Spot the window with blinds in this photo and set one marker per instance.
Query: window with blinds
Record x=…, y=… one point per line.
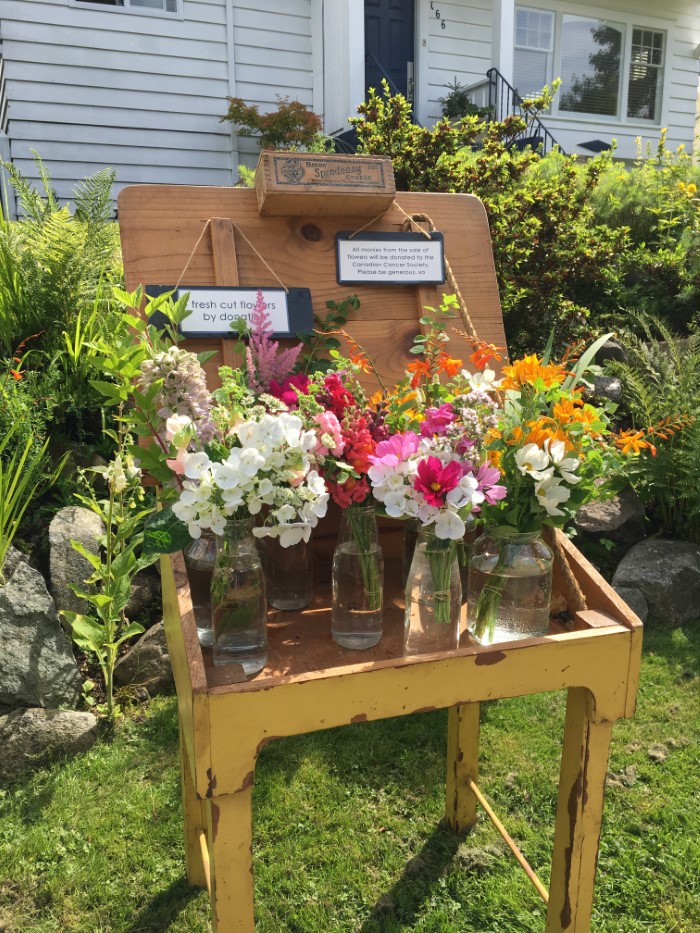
x=164, y=6
x=602, y=72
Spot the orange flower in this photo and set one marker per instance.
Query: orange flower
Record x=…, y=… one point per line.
x=494, y=458
x=493, y=434
x=446, y=364
x=484, y=353
x=528, y=370
x=546, y=429
x=16, y=375
x=516, y=436
x=418, y=368
x=633, y=442
x=566, y=410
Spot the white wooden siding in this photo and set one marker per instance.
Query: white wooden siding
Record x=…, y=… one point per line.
x=461, y=50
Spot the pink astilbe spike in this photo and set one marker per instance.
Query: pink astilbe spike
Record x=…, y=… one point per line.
x=265, y=360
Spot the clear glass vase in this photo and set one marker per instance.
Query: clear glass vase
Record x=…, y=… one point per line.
x=200, y=558
x=358, y=580
x=510, y=585
x=433, y=596
x=238, y=600
x=289, y=574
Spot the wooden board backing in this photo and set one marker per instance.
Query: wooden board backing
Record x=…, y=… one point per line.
x=161, y=224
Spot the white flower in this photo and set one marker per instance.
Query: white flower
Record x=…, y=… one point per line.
x=565, y=465
x=448, y=524
x=465, y=492
x=395, y=503
x=196, y=465
x=181, y=427
x=550, y=494
x=533, y=461
x=316, y=483
x=482, y=381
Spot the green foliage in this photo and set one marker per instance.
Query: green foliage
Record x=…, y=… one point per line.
x=291, y=126
x=554, y=262
x=662, y=378
x=108, y=588
x=457, y=103
x=22, y=476
x=656, y=201
x=319, y=345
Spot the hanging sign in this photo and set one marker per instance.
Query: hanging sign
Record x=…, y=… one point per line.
x=214, y=310
x=390, y=258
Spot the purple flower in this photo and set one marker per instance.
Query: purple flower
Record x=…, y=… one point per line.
x=265, y=361
x=486, y=477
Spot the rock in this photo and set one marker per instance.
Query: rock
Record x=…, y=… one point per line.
x=667, y=573
x=608, y=387
x=145, y=603
x=37, y=666
x=33, y=737
x=65, y=564
x=147, y=664
x=635, y=600
x=611, y=350
x=620, y=518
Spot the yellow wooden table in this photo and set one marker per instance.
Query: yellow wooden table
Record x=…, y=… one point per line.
x=310, y=684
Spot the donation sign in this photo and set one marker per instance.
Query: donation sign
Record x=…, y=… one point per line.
x=390, y=258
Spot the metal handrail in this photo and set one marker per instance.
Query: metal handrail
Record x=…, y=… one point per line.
x=505, y=101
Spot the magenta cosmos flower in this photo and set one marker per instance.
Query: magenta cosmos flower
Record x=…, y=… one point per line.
x=287, y=391
x=437, y=420
x=435, y=480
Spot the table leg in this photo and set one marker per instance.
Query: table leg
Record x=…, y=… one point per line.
x=231, y=860
x=462, y=764
x=195, y=822
x=579, y=815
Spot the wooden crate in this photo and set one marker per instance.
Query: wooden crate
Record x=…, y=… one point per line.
x=304, y=183
x=310, y=683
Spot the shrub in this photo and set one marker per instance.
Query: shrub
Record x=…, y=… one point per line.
x=291, y=126
x=554, y=263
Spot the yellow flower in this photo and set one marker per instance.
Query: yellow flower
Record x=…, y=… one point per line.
x=691, y=190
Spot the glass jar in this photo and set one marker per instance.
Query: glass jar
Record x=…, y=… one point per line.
x=510, y=584
x=238, y=600
x=289, y=574
x=433, y=596
x=200, y=558
x=358, y=580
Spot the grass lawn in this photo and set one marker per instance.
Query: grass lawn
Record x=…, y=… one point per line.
x=347, y=834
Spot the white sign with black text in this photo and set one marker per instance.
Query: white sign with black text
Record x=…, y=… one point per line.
x=393, y=259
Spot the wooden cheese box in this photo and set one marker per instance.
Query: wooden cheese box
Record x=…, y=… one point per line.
x=303, y=184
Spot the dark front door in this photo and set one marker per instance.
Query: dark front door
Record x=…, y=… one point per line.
x=389, y=44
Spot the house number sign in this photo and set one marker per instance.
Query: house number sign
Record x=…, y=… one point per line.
x=390, y=258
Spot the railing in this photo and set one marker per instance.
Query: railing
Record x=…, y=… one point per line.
x=504, y=101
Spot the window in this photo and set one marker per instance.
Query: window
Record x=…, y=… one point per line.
x=534, y=36
x=607, y=69
x=165, y=6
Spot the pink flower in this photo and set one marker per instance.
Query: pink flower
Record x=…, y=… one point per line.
x=177, y=465
x=435, y=480
x=437, y=420
x=486, y=477
x=287, y=391
x=329, y=430
x=397, y=448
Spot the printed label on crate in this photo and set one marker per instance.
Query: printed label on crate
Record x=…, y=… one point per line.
x=390, y=258
x=306, y=171
x=214, y=311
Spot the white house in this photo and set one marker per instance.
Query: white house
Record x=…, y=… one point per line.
x=140, y=85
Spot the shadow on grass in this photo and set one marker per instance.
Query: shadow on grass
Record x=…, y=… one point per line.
x=158, y=915
x=404, y=900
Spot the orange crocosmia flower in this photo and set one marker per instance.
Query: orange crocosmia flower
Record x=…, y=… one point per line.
x=376, y=399
x=446, y=364
x=16, y=375
x=484, y=353
x=528, y=370
x=418, y=368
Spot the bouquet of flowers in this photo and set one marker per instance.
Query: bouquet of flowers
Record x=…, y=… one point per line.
x=553, y=450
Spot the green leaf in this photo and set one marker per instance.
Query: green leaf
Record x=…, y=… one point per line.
x=87, y=634
x=165, y=533
x=93, y=559
x=132, y=629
